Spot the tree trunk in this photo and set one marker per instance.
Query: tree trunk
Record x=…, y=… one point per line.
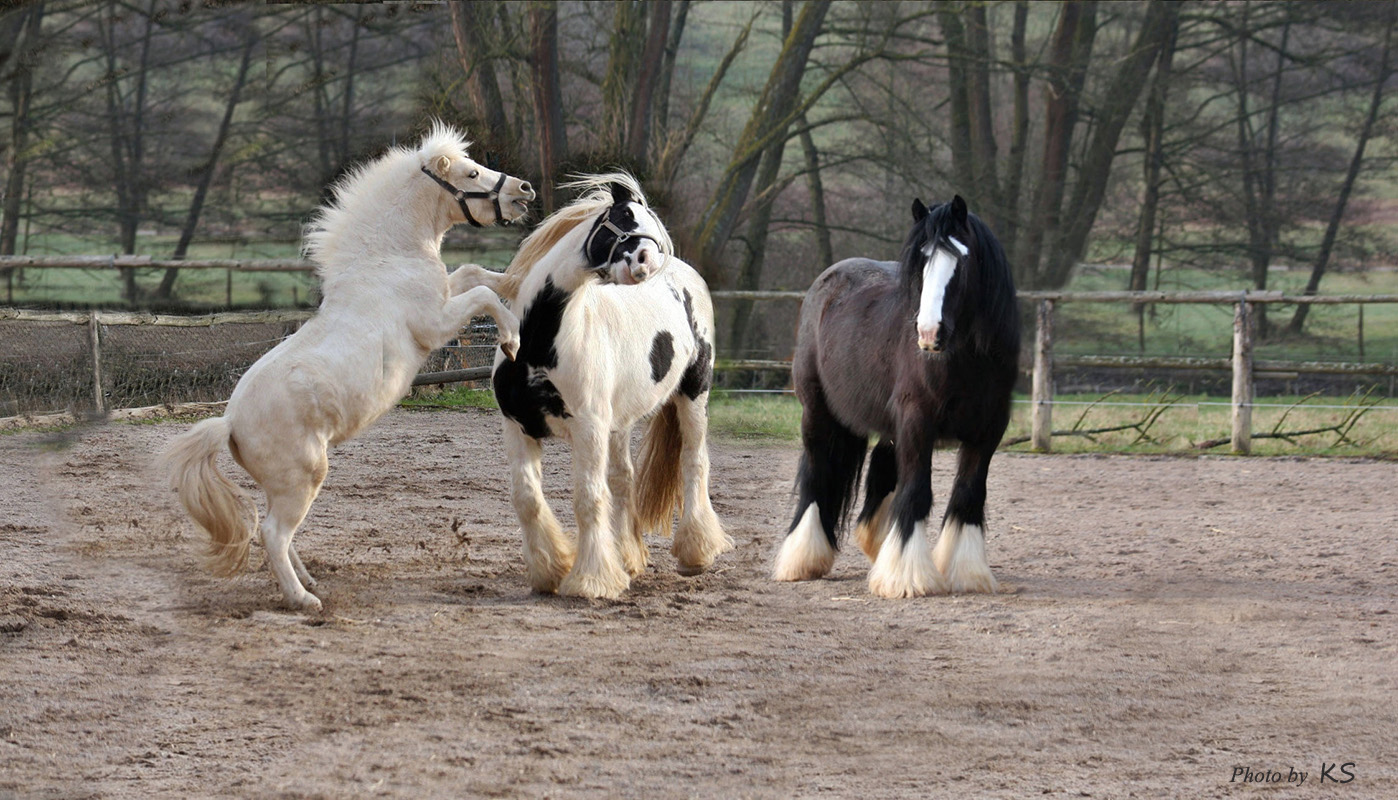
x=958, y=86
x=206, y=174
x=1131, y=74
x=825, y=251
x=1069, y=51
x=469, y=23
x=638, y=133
x=984, y=151
x=619, y=81
x=18, y=72
x=1019, y=136
x=777, y=102
x=548, y=97
x=1152, y=130
x=1322, y=262
x=750, y=276
x=667, y=68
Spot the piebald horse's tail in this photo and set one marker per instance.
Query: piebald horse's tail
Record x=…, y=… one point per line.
x=220, y=506
x=659, y=493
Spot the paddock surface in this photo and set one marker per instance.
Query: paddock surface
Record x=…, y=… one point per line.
x=1164, y=621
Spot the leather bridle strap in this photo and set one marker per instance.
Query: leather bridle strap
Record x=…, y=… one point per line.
x=462, y=196
x=621, y=238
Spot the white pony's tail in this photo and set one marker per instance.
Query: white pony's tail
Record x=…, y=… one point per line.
x=659, y=493
x=216, y=503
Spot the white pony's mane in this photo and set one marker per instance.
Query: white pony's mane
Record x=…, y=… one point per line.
x=360, y=194
x=597, y=195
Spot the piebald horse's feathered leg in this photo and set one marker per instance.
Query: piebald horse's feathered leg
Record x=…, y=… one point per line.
x=699, y=539
x=597, y=570
x=548, y=554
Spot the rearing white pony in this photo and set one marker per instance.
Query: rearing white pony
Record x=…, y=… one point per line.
x=612, y=328
x=387, y=304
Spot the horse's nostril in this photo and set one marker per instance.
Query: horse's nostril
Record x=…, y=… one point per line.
x=641, y=257
x=525, y=187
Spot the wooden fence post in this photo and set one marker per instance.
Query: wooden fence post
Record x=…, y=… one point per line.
x=1041, y=435
x=1242, y=377
x=94, y=335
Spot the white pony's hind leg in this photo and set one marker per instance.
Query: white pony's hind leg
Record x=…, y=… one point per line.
x=301, y=572
x=621, y=479
x=286, y=508
x=548, y=555
x=700, y=538
x=597, y=571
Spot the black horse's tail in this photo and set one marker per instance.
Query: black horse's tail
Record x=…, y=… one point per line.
x=832, y=459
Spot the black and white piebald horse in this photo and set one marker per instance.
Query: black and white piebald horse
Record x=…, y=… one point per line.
x=613, y=328
x=920, y=351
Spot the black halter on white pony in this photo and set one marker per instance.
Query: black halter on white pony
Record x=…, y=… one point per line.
x=613, y=329
x=492, y=194
x=918, y=351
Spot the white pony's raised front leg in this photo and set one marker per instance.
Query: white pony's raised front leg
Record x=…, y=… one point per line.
x=469, y=276
x=597, y=571
x=464, y=307
x=548, y=555
x=700, y=538
x=621, y=479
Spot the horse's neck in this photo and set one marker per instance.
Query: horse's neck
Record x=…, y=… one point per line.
x=564, y=266
x=408, y=238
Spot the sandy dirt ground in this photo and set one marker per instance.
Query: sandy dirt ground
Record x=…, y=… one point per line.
x=1163, y=623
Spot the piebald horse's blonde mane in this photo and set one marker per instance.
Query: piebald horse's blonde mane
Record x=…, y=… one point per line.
x=597, y=195
x=359, y=196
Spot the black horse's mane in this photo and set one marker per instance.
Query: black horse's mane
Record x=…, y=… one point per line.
x=991, y=313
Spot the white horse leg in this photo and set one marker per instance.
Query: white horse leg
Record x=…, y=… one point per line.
x=305, y=576
x=286, y=508
x=621, y=479
x=700, y=538
x=548, y=554
x=598, y=570
x=469, y=276
x=464, y=307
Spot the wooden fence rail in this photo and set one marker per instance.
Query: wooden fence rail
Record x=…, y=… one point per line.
x=1241, y=361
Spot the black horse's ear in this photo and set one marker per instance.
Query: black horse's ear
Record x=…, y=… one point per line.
x=620, y=193
x=958, y=209
x=919, y=210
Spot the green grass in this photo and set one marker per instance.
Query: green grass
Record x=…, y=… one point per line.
x=458, y=396
x=1187, y=422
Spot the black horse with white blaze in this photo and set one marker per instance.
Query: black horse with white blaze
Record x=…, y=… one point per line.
x=920, y=351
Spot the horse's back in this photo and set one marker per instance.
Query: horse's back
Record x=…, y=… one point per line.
x=844, y=346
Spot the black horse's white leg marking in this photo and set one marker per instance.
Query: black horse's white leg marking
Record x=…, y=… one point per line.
x=960, y=551
x=830, y=461
x=904, y=567
x=875, y=520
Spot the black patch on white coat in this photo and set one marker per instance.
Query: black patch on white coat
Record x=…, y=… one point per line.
x=699, y=375
x=522, y=387
x=662, y=353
